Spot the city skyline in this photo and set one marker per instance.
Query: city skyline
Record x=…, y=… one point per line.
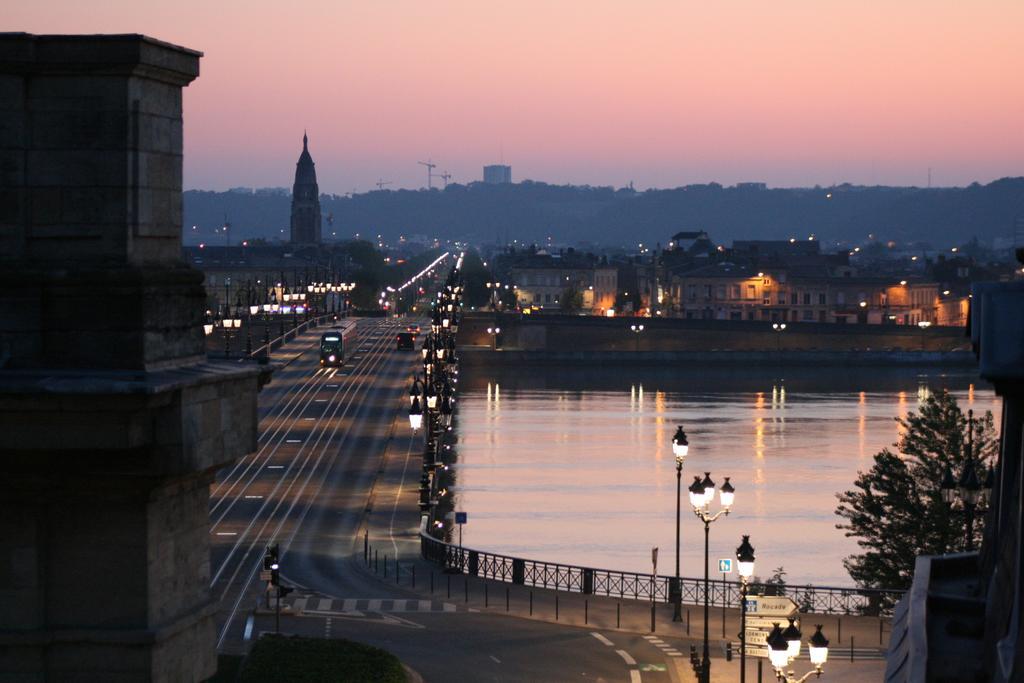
x=791, y=95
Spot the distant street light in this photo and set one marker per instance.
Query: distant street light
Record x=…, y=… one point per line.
x=779, y=328
x=745, y=563
x=968, y=488
x=494, y=332
x=680, y=449
x=637, y=331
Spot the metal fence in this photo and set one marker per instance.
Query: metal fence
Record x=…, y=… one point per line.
x=647, y=587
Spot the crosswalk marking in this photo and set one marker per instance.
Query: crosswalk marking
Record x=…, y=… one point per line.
x=357, y=606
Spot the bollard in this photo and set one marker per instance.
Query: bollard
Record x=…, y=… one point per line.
x=618, y=615
x=687, y=621
x=556, y=606
x=531, y=603
x=839, y=638
x=465, y=585
x=398, y=573
x=385, y=566
x=431, y=581
x=759, y=661
x=414, y=576
x=366, y=545
x=376, y=561
x=449, y=585
x=486, y=599
x=506, y=599
x=851, y=648
x=586, y=612
x=880, y=630
x=728, y=651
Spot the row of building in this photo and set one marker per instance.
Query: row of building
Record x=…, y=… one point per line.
x=784, y=281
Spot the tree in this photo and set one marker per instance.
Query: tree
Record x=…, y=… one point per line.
x=896, y=511
x=572, y=300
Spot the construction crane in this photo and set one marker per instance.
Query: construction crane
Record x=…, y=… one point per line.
x=381, y=183
x=430, y=172
x=446, y=176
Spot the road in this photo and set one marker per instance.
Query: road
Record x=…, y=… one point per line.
x=323, y=434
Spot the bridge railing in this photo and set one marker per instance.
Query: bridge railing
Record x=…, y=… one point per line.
x=647, y=587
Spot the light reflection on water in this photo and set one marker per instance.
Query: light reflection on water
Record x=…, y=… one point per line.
x=576, y=466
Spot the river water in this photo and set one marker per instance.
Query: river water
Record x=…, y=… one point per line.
x=576, y=466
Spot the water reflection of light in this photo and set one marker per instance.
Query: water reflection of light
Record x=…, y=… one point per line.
x=923, y=392
x=862, y=422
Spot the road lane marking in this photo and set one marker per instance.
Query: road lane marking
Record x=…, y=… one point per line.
x=626, y=657
x=601, y=638
x=634, y=676
x=496, y=660
x=254, y=497
x=248, y=628
x=321, y=400
x=309, y=419
x=275, y=467
x=332, y=386
x=227, y=533
x=293, y=441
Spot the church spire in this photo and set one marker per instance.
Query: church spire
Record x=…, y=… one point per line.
x=305, y=142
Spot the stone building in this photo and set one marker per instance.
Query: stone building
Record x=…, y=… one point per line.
x=112, y=420
x=542, y=280
x=306, y=221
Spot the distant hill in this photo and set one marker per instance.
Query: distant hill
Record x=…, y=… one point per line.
x=531, y=212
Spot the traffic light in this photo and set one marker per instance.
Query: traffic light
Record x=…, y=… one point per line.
x=270, y=558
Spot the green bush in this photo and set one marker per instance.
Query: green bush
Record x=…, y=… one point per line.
x=274, y=659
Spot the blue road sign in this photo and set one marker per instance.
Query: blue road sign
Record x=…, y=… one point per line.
x=725, y=566
x=460, y=517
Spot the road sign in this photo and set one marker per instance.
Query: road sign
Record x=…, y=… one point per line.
x=461, y=517
x=654, y=558
x=725, y=566
x=771, y=606
x=757, y=651
x=265, y=574
x=768, y=622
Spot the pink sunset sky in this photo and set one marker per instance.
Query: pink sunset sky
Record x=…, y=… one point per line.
x=793, y=92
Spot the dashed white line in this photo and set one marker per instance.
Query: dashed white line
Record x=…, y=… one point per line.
x=248, y=628
x=227, y=533
x=293, y=440
x=275, y=467
x=601, y=638
x=254, y=497
x=626, y=657
x=496, y=660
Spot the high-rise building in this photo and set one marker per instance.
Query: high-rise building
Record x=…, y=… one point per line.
x=305, y=200
x=498, y=174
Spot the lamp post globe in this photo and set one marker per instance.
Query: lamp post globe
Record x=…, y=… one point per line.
x=727, y=494
x=817, y=646
x=792, y=635
x=680, y=445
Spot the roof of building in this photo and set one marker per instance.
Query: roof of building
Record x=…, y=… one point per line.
x=305, y=169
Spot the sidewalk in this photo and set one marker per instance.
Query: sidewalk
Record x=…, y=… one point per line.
x=392, y=524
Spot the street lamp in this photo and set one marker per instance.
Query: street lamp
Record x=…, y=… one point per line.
x=778, y=327
x=784, y=646
x=745, y=565
x=415, y=415
x=968, y=488
x=680, y=448
x=637, y=330
x=702, y=493
x=494, y=332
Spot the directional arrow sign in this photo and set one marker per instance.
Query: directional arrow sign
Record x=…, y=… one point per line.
x=768, y=622
x=771, y=606
x=757, y=651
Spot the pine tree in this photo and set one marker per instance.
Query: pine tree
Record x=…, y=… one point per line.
x=896, y=511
